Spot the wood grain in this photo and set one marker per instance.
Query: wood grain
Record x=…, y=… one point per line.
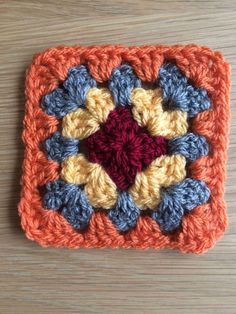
x=37, y=280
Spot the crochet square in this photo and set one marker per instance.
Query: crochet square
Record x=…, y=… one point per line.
x=126, y=147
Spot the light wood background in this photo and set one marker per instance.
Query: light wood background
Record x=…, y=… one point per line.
x=37, y=280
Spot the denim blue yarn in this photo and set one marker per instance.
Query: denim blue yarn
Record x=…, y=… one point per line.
x=125, y=213
x=179, y=93
x=54, y=197
x=71, y=201
x=58, y=147
x=191, y=146
x=71, y=95
x=121, y=83
x=178, y=200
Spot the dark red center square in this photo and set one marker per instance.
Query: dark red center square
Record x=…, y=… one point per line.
x=123, y=148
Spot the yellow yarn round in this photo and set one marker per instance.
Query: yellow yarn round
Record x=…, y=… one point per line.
x=99, y=103
x=79, y=124
x=162, y=172
x=99, y=187
x=84, y=122
x=148, y=112
x=77, y=169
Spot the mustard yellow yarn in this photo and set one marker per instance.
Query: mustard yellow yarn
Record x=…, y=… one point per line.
x=162, y=172
x=168, y=169
x=77, y=169
x=81, y=123
x=100, y=189
x=148, y=112
x=99, y=103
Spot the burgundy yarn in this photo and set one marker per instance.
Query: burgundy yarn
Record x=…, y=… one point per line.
x=123, y=148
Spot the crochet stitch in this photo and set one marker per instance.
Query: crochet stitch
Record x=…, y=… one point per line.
x=112, y=161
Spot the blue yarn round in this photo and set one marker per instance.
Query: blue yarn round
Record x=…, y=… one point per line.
x=190, y=145
x=71, y=201
x=121, y=83
x=125, y=213
x=71, y=95
x=179, y=93
x=58, y=147
x=77, y=210
x=178, y=200
x=53, y=198
x=169, y=213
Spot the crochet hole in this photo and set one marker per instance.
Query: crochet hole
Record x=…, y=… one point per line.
x=167, y=105
x=42, y=148
x=146, y=212
x=42, y=191
x=83, y=148
x=59, y=126
x=101, y=85
x=174, y=233
x=148, y=85
x=210, y=64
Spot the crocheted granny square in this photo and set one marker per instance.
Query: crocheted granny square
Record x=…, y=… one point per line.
x=126, y=147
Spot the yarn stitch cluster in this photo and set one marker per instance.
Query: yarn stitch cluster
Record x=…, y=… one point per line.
x=125, y=148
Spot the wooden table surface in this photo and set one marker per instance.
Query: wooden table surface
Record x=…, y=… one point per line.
x=37, y=280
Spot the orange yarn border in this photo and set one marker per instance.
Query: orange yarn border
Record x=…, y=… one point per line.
x=204, y=225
